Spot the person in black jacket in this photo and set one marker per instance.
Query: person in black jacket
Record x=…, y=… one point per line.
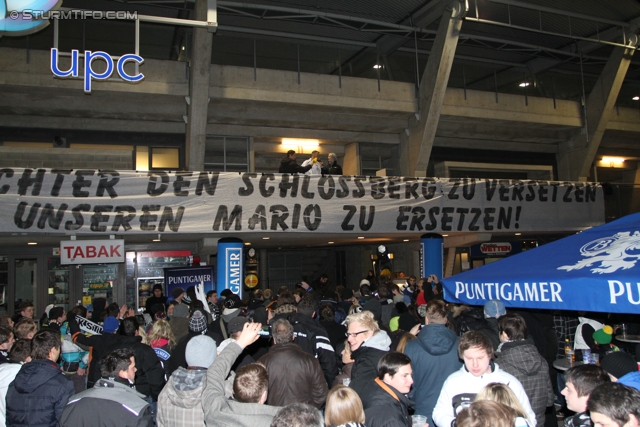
x=149, y=378
x=368, y=344
x=289, y=165
x=332, y=168
x=157, y=298
x=385, y=402
x=197, y=326
x=100, y=343
x=40, y=390
x=313, y=338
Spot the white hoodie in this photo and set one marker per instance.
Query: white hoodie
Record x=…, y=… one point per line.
x=464, y=384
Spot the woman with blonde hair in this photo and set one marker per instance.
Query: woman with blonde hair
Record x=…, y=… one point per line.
x=368, y=344
x=162, y=341
x=501, y=393
x=486, y=413
x=344, y=408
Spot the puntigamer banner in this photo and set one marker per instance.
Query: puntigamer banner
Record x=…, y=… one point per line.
x=106, y=201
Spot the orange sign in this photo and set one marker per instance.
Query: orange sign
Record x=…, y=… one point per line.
x=251, y=280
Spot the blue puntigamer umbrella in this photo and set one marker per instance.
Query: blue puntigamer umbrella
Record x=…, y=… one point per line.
x=596, y=270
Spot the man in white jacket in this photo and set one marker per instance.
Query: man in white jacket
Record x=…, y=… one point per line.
x=316, y=164
x=461, y=387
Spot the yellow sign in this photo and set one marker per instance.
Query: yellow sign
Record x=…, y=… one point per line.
x=251, y=280
x=105, y=285
x=86, y=300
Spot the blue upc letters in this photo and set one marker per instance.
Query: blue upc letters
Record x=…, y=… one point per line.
x=89, y=73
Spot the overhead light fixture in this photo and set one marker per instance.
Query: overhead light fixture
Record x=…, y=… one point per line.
x=32, y=243
x=300, y=145
x=405, y=240
x=518, y=234
x=376, y=66
x=612, y=162
x=445, y=235
x=636, y=98
x=330, y=243
x=247, y=243
x=360, y=238
x=266, y=238
x=158, y=239
x=524, y=84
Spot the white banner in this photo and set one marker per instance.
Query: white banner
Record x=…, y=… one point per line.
x=98, y=202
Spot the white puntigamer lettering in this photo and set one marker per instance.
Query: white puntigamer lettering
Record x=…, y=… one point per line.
x=617, y=289
x=534, y=291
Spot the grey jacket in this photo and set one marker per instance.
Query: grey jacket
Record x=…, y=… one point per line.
x=180, y=402
x=522, y=360
x=108, y=404
x=222, y=412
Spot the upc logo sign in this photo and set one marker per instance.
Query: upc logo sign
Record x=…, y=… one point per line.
x=89, y=73
x=13, y=20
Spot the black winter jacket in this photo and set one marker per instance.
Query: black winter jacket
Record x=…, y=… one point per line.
x=149, y=373
x=314, y=339
x=366, y=358
x=100, y=347
x=38, y=395
x=288, y=165
x=381, y=409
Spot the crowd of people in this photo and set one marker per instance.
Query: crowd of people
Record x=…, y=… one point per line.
x=386, y=354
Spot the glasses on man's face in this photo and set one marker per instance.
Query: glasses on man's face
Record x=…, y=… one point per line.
x=355, y=334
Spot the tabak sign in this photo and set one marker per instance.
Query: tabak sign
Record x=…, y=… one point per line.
x=91, y=251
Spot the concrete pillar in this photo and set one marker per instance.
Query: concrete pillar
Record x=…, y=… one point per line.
x=417, y=142
x=351, y=162
x=575, y=156
x=199, y=74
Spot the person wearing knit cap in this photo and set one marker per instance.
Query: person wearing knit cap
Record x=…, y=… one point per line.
x=180, y=400
x=157, y=298
x=602, y=339
x=179, y=321
x=197, y=327
x=232, y=305
x=234, y=328
x=177, y=294
x=618, y=364
x=111, y=325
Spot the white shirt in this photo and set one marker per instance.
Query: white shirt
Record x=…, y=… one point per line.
x=464, y=382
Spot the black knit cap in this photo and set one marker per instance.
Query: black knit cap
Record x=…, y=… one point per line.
x=619, y=363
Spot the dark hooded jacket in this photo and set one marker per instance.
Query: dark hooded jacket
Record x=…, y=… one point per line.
x=522, y=360
x=149, y=370
x=38, y=395
x=434, y=356
x=382, y=409
x=366, y=358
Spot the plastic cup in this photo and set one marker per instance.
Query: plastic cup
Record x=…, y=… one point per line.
x=586, y=356
x=418, y=420
x=595, y=359
x=571, y=357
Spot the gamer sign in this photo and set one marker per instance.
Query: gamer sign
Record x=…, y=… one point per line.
x=90, y=73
